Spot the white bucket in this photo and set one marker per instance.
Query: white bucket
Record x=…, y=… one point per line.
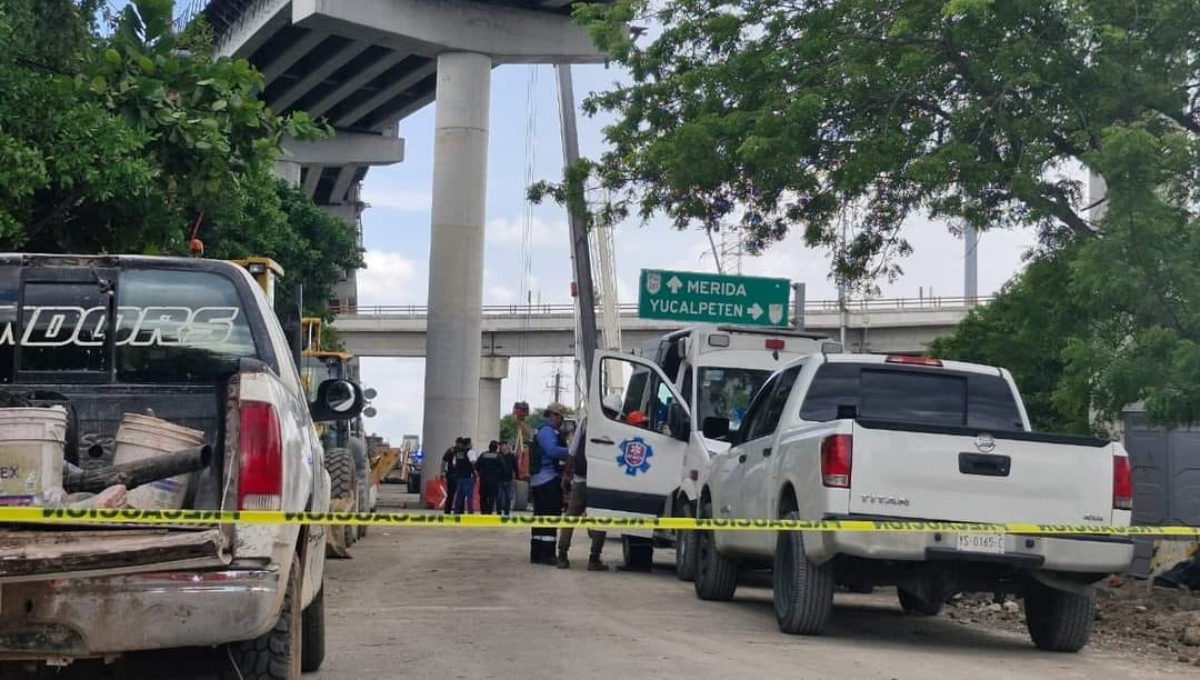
x=32, y=443
x=142, y=437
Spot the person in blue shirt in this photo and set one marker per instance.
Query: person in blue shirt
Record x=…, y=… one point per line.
x=546, y=484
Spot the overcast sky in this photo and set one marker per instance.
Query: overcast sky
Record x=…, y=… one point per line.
x=397, y=231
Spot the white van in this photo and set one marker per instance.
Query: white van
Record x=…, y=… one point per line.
x=677, y=381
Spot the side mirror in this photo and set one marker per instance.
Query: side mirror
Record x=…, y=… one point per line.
x=337, y=400
x=737, y=436
x=679, y=422
x=716, y=427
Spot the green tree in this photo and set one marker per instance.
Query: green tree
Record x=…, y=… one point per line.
x=778, y=114
x=135, y=141
x=1026, y=329
x=794, y=113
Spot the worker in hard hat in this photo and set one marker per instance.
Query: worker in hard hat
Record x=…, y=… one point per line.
x=575, y=483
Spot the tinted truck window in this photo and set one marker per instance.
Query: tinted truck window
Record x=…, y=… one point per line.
x=169, y=326
x=934, y=397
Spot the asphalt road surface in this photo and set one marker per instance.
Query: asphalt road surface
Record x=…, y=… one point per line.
x=435, y=603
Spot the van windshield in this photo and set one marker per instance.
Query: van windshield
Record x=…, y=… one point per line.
x=170, y=326
x=726, y=392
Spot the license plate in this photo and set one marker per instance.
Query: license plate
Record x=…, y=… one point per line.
x=981, y=543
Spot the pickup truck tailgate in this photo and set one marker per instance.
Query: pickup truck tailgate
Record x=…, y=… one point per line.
x=46, y=555
x=924, y=473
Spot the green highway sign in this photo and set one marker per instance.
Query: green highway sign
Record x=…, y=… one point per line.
x=714, y=298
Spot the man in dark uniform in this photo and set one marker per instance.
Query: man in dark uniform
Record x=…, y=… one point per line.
x=546, y=483
x=448, y=474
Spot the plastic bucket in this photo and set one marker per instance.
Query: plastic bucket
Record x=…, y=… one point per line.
x=32, y=443
x=142, y=437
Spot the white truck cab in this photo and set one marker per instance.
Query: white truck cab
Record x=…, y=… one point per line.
x=678, y=381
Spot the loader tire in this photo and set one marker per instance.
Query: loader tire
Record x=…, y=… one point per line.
x=342, y=484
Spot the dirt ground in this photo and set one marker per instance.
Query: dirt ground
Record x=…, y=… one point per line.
x=467, y=604
x=1132, y=619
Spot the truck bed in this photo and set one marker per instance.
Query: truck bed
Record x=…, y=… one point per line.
x=99, y=410
x=31, y=555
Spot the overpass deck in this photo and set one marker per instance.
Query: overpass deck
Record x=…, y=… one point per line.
x=891, y=325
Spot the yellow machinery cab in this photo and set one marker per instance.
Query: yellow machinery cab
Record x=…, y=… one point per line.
x=265, y=271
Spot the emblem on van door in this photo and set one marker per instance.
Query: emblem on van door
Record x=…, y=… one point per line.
x=985, y=443
x=874, y=499
x=635, y=456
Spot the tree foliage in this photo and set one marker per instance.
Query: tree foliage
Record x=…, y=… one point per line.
x=139, y=138
x=785, y=113
x=1026, y=329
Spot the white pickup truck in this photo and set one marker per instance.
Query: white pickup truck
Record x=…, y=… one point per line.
x=197, y=343
x=868, y=437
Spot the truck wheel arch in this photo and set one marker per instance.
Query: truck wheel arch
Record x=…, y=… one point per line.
x=787, y=500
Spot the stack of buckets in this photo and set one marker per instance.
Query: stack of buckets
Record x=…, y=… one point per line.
x=32, y=442
x=142, y=437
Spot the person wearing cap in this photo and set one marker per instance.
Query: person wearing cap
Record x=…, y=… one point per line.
x=545, y=486
x=575, y=480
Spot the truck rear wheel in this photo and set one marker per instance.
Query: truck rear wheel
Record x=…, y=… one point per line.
x=716, y=575
x=685, y=548
x=1059, y=621
x=917, y=605
x=638, y=553
x=275, y=655
x=803, y=590
x=312, y=635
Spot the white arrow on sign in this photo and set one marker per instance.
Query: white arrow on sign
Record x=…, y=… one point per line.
x=674, y=284
x=755, y=311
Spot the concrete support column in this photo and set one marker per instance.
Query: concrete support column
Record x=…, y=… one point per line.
x=452, y=361
x=492, y=372
x=288, y=171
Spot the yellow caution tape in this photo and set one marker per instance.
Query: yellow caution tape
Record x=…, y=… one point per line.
x=437, y=520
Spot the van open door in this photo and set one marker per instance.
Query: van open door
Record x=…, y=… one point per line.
x=632, y=468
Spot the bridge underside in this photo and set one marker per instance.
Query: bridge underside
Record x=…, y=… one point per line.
x=365, y=65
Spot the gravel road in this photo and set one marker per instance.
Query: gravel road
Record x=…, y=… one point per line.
x=429, y=603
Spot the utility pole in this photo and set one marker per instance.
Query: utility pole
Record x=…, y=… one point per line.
x=971, y=265
x=576, y=205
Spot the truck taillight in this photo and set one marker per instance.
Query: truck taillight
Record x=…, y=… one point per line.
x=776, y=344
x=837, y=456
x=1122, y=484
x=260, y=484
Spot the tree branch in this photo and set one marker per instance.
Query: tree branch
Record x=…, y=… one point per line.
x=56, y=212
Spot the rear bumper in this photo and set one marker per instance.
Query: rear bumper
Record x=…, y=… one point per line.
x=1086, y=554
x=78, y=618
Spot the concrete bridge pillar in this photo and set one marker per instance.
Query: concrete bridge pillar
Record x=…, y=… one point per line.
x=493, y=371
x=452, y=361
